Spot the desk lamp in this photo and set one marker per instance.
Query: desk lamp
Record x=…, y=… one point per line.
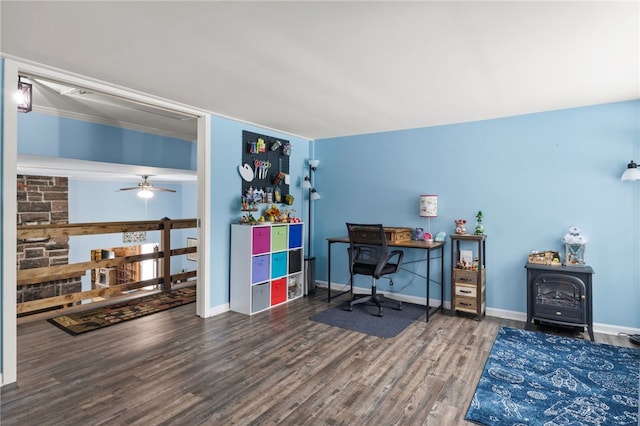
x=429, y=209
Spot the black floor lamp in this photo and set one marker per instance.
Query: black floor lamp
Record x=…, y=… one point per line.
x=310, y=261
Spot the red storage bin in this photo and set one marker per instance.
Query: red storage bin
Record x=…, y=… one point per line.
x=278, y=291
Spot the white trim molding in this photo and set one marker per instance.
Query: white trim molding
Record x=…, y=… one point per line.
x=12, y=68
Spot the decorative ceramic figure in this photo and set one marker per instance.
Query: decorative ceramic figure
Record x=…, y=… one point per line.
x=479, y=227
x=418, y=234
x=461, y=226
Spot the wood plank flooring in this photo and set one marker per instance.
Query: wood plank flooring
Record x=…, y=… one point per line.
x=278, y=367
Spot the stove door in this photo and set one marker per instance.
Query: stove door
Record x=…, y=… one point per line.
x=560, y=298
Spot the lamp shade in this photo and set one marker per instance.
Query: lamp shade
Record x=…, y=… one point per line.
x=428, y=205
x=306, y=183
x=632, y=172
x=314, y=195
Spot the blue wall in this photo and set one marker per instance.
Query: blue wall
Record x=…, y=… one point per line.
x=226, y=156
x=533, y=176
x=47, y=135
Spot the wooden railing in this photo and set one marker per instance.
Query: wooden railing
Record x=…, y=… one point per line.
x=60, y=272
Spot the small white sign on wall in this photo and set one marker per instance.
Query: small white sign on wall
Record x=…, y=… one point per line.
x=134, y=237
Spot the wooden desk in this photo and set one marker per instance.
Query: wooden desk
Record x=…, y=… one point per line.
x=407, y=244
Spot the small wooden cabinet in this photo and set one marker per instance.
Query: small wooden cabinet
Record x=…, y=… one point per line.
x=266, y=265
x=468, y=281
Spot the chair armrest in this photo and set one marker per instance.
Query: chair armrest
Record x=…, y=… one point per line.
x=385, y=261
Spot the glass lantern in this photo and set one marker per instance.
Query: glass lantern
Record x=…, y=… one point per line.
x=574, y=254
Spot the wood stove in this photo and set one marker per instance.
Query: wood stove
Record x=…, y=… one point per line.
x=560, y=295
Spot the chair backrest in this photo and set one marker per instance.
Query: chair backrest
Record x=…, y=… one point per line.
x=367, y=244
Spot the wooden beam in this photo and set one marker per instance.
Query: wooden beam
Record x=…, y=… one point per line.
x=50, y=302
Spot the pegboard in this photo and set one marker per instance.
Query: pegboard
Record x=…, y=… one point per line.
x=260, y=149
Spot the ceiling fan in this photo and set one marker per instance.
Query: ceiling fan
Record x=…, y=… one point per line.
x=145, y=188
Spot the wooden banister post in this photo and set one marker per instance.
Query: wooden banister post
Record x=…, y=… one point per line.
x=166, y=250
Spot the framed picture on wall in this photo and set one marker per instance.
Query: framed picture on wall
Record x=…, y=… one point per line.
x=192, y=242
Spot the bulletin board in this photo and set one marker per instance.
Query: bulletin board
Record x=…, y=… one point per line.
x=268, y=157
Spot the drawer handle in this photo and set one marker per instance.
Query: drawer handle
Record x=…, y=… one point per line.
x=464, y=279
x=465, y=304
x=466, y=291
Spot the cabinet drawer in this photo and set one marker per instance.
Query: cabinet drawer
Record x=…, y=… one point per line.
x=278, y=291
x=278, y=264
x=467, y=304
x=260, y=297
x=261, y=239
x=259, y=268
x=278, y=238
x=466, y=290
x=465, y=277
x=295, y=261
x=295, y=236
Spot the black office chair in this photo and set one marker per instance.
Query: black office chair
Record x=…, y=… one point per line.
x=369, y=255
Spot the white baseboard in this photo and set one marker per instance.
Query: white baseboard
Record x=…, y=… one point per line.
x=217, y=310
x=614, y=329
x=416, y=300
x=492, y=312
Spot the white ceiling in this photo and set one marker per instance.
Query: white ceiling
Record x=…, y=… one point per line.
x=324, y=69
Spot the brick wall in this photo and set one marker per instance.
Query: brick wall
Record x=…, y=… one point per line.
x=43, y=200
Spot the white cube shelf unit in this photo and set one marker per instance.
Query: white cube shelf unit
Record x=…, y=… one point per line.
x=267, y=267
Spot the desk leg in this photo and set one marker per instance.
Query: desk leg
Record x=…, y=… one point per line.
x=442, y=278
x=428, y=276
x=329, y=274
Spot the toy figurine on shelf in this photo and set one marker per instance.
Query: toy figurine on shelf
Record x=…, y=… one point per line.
x=461, y=226
x=272, y=213
x=250, y=199
x=479, y=227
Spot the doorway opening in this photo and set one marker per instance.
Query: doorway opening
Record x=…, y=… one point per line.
x=11, y=71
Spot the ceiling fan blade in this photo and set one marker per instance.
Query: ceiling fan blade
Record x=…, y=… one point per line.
x=146, y=185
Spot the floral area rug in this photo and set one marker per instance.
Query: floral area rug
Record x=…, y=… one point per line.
x=94, y=319
x=540, y=379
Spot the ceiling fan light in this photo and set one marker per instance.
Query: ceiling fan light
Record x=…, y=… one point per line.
x=145, y=193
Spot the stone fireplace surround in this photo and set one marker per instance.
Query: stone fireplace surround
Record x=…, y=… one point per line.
x=43, y=200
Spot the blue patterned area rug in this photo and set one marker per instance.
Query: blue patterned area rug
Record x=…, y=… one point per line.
x=541, y=379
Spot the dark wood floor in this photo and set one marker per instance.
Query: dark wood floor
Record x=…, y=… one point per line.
x=273, y=368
